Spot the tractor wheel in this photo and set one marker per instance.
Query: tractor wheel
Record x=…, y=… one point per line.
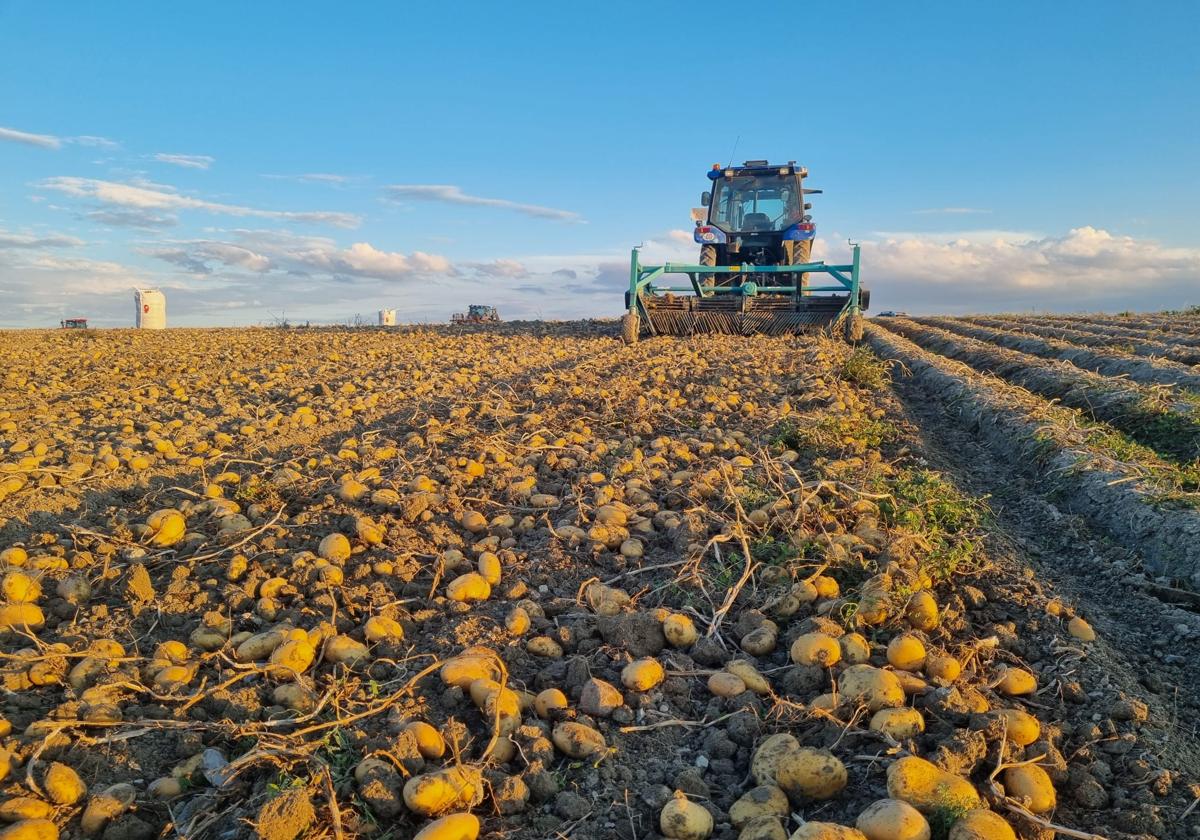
x=854, y=327
x=708, y=256
x=800, y=252
x=630, y=327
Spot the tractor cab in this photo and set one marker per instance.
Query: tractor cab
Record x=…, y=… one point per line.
x=74, y=324
x=756, y=207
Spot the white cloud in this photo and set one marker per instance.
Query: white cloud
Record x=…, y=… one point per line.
x=450, y=194
x=186, y=161
x=95, y=142
x=500, y=268
x=157, y=197
x=266, y=251
x=28, y=240
x=317, y=178
x=45, y=141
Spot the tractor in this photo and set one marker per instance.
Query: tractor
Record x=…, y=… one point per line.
x=754, y=269
x=476, y=314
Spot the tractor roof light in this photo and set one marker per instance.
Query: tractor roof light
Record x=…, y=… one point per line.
x=783, y=170
x=728, y=173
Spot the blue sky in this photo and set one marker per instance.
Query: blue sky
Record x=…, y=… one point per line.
x=301, y=160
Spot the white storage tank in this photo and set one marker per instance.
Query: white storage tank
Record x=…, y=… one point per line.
x=387, y=317
x=151, y=309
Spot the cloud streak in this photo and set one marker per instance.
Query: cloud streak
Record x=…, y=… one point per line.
x=186, y=161
x=28, y=241
x=450, y=194
x=145, y=197
x=44, y=141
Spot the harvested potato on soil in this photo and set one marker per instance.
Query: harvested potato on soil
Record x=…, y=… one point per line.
x=927, y=787
x=875, y=687
x=432, y=794
x=683, y=819
x=981, y=824
x=451, y=827
x=807, y=773
x=892, y=819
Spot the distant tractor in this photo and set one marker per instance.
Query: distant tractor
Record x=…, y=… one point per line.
x=476, y=314
x=74, y=324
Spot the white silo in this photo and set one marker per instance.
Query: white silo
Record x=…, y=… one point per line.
x=387, y=317
x=151, y=309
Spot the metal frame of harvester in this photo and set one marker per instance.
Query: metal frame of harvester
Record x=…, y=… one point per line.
x=689, y=317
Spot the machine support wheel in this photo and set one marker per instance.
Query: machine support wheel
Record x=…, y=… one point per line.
x=708, y=256
x=800, y=252
x=630, y=327
x=854, y=327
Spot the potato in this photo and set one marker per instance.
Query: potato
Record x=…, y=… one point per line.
x=259, y=646
x=335, y=548
x=1016, y=682
x=807, y=773
x=910, y=682
x=642, y=674
x=765, y=761
x=749, y=675
x=109, y=804
x=432, y=794
x=25, y=808
x=517, y=621
x=764, y=800
x=606, y=600
x=679, y=630
x=379, y=628
x=927, y=787
x=1030, y=784
x=464, y=669
x=488, y=566
x=430, y=742
x=1020, y=727
x=922, y=611
x=898, y=724
x=167, y=527
x=763, y=828
x=892, y=819
x=685, y=820
x=1081, y=630
x=469, y=587
x=548, y=701
x=877, y=688
x=21, y=617
x=63, y=785
x=906, y=653
x=816, y=649
x=35, y=829
x=826, y=586
x=827, y=702
x=760, y=641
x=725, y=684
x=981, y=824
x=291, y=658
x=451, y=827
x=578, y=740
x=942, y=669
x=20, y=588
x=855, y=648
x=343, y=650
x=826, y=831
x=544, y=646
x=481, y=689
x=294, y=697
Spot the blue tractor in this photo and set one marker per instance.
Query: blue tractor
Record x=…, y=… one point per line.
x=753, y=274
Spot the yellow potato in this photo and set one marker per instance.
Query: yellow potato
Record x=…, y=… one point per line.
x=943, y=669
x=642, y=674
x=749, y=675
x=549, y=700
x=807, y=773
x=379, y=628
x=682, y=819
x=432, y=794
x=826, y=831
x=469, y=587
x=679, y=630
x=20, y=588
x=259, y=646
x=906, y=653
x=25, y=808
x=1021, y=727
x=167, y=527
x=855, y=648
x=765, y=761
x=816, y=649
x=981, y=824
x=488, y=565
x=34, y=829
x=430, y=742
x=877, y=688
x=892, y=819
x=1081, y=630
x=21, y=617
x=63, y=785
x=1030, y=784
x=725, y=684
x=1016, y=682
x=898, y=724
x=335, y=548
x=927, y=787
x=764, y=800
x=578, y=740
x=464, y=669
x=451, y=827
x=922, y=611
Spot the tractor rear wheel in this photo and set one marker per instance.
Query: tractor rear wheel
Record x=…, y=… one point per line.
x=630, y=327
x=800, y=252
x=708, y=256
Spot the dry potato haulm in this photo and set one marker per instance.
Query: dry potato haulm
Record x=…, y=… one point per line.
x=523, y=580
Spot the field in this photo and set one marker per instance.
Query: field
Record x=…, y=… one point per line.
x=338, y=582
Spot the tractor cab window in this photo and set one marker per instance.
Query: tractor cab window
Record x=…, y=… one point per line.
x=748, y=203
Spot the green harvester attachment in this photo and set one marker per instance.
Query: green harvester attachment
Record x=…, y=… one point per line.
x=753, y=276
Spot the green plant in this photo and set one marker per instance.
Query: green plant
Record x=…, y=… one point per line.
x=864, y=368
x=925, y=503
x=942, y=817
